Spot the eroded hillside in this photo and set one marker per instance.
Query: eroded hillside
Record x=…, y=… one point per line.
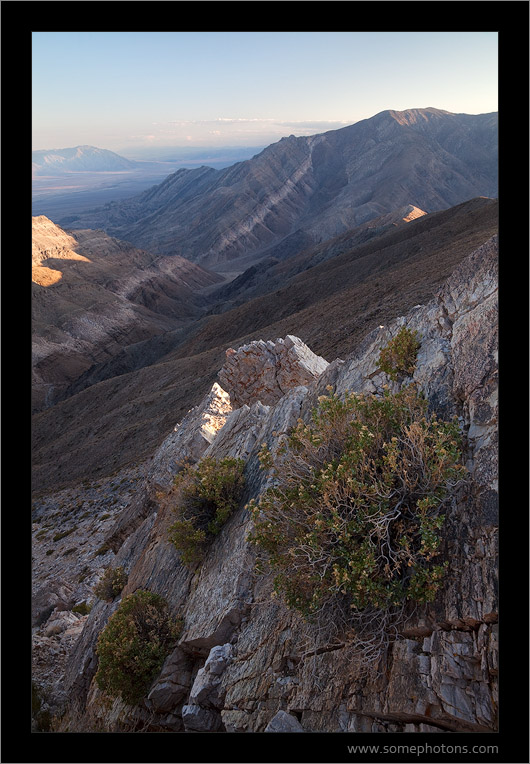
x=119, y=410
x=93, y=295
x=245, y=661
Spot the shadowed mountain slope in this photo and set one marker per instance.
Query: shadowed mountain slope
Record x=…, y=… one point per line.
x=272, y=272
x=93, y=295
x=332, y=306
x=312, y=188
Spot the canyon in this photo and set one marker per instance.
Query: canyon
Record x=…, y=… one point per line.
x=205, y=317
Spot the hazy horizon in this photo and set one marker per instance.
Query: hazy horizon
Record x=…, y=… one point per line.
x=132, y=91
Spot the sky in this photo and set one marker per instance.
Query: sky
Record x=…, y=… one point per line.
x=125, y=90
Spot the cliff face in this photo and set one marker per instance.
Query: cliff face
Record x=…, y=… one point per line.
x=244, y=661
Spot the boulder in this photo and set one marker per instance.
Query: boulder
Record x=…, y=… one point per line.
x=198, y=719
x=284, y=722
x=54, y=595
x=206, y=690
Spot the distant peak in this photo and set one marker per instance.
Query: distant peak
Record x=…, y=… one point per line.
x=413, y=116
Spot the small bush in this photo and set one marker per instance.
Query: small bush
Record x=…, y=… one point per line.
x=134, y=644
x=203, y=498
x=111, y=584
x=83, y=608
x=398, y=358
x=103, y=549
x=64, y=534
x=354, y=517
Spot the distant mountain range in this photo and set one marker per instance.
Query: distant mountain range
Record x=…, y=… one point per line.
x=78, y=159
x=300, y=191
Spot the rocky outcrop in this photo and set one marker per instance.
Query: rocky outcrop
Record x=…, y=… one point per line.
x=265, y=371
x=185, y=445
x=244, y=661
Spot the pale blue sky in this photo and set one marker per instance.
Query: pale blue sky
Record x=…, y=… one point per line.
x=122, y=89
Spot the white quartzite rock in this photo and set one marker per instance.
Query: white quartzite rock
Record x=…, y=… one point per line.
x=192, y=436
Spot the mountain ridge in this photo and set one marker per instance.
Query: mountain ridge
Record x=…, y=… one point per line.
x=323, y=184
x=438, y=672
x=83, y=158
x=160, y=379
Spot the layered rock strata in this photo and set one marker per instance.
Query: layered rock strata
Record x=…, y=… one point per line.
x=265, y=371
x=244, y=661
x=94, y=296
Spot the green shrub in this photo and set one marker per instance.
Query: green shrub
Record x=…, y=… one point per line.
x=111, y=584
x=83, y=608
x=64, y=534
x=398, y=358
x=103, y=549
x=134, y=644
x=203, y=498
x=354, y=516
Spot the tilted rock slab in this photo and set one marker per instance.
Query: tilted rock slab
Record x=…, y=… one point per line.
x=186, y=444
x=265, y=371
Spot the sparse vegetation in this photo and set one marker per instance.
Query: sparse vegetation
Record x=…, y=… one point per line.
x=64, y=534
x=398, y=357
x=203, y=497
x=353, y=522
x=83, y=608
x=133, y=645
x=111, y=584
x=41, y=716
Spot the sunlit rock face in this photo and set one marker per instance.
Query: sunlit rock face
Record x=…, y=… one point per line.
x=92, y=297
x=265, y=371
x=242, y=655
